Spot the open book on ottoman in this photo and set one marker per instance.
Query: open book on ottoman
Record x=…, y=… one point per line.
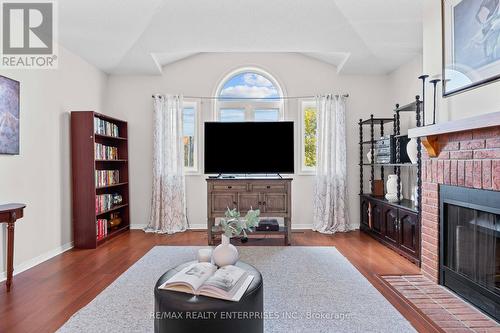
x=228, y=282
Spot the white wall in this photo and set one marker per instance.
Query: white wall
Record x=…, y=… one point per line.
x=129, y=97
x=40, y=175
x=481, y=100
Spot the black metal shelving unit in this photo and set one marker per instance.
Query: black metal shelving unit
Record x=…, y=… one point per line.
x=403, y=205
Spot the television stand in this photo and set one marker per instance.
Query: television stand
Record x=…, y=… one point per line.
x=272, y=196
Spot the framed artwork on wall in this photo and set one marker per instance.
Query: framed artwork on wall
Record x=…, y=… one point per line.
x=9, y=116
x=471, y=44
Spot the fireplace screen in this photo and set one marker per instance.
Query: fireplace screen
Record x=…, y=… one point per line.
x=470, y=246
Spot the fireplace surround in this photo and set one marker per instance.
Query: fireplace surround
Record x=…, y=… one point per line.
x=465, y=155
x=469, y=257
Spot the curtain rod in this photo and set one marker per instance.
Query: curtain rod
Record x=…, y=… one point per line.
x=251, y=98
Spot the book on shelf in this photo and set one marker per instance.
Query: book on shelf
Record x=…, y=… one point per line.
x=104, y=127
x=104, y=202
x=101, y=228
x=228, y=282
x=106, y=177
x=103, y=152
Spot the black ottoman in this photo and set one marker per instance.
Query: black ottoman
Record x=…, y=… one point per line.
x=181, y=312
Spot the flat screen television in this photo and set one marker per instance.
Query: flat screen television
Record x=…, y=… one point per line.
x=249, y=147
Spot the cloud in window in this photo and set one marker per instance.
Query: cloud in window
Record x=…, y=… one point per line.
x=253, y=79
x=249, y=91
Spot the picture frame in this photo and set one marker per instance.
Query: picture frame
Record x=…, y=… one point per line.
x=9, y=116
x=470, y=44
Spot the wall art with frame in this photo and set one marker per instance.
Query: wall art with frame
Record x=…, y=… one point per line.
x=471, y=44
x=9, y=116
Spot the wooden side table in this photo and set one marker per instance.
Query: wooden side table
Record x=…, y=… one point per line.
x=9, y=214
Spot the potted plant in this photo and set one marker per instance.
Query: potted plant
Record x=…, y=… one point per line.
x=233, y=225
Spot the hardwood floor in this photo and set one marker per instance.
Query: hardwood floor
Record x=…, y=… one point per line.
x=44, y=297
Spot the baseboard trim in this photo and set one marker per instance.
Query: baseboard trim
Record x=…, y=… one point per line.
x=37, y=260
x=204, y=227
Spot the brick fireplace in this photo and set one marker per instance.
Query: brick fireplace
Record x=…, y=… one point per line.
x=469, y=158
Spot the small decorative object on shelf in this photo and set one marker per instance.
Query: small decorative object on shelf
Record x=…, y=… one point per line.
x=369, y=156
x=114, y=220
x=392, y=188
x=232, y=226
x=411, y=150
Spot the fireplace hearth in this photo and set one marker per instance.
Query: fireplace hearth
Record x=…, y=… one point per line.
x=469, y=258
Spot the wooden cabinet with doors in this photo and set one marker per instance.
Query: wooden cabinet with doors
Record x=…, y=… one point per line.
x=395, y=225
x=271, y=195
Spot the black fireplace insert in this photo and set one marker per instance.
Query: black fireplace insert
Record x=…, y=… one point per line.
x=470, y=246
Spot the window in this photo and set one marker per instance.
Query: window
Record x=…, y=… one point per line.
x=308, y=136
x=190, y=132
x=249, y=95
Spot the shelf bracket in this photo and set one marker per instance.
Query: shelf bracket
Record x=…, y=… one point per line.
x=431, y=144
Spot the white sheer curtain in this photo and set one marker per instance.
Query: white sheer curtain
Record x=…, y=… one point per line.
x=330, y=189
x=168, y=205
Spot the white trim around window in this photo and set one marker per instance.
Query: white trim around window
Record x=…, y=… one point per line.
x=194, y=170
x=303, y=104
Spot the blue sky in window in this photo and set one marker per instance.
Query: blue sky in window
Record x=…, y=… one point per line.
x=188, y=119
x=249, y=85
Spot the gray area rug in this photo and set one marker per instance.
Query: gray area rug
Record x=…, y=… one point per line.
x=307, y=289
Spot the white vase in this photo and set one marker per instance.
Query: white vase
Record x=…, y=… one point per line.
x=411, y=149
x=392, y=188
x=369, y=156
x=225, y=253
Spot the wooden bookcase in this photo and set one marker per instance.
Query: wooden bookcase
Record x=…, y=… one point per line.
x=84, y=166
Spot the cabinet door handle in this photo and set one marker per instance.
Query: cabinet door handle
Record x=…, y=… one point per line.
x=235, y=203
x=268, y=186
x=264, y=203
x=229, y=187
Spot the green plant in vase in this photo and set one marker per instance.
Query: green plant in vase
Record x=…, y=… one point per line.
x=233, y=225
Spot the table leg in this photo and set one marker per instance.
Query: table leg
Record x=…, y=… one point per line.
x=288, y=235
x=10, y=254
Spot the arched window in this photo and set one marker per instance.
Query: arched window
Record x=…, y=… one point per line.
x=249, y=95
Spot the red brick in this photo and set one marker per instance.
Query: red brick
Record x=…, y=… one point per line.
x=495, y=175
x=450, y=146
x=440, y=178
x=460, y=136
x=430, y=255
x=430, y=202
x=478, y=171
x=430, y=209
x=430, y=216
x=429, y=224
x=431, y=247
x=480, y=323
x=493, y=143
x=487, y=153
x=472, y=144
x=461, y=173
x=430, y=186
x=486, y=133
x=486, y=174
x=430, y=194
x=429, y=239
x=424, y=171
x=461, y=155
x=430, y=232
x=428, y=168
x=444, y=155
x=446, y=172
x=434, y=170
x=453, y=172
x=431, y=263
x=471, y=316
x=469, y=174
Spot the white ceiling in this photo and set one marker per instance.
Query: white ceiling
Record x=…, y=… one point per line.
x=141, y=36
